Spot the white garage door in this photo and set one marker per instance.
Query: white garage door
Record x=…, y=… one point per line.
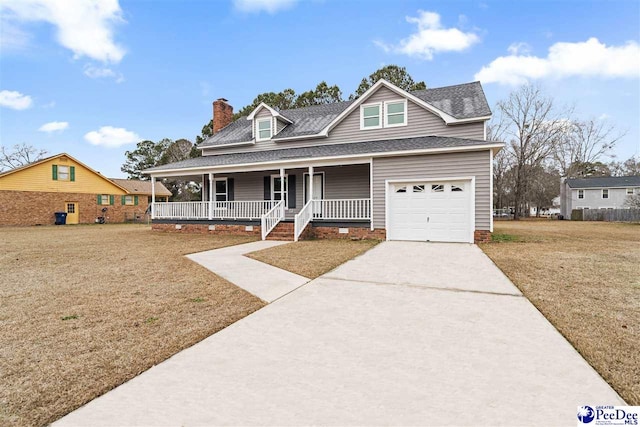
x=430, y=211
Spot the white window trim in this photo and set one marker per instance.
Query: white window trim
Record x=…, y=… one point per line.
x=258, y=121
x=578, y=194
x=380, y=115
x=632, y=192
x=602, y=193
x=102, y=199
x=386, y=114
x=133, y=200
x=286, y=191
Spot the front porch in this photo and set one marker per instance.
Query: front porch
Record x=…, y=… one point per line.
x=258, y=201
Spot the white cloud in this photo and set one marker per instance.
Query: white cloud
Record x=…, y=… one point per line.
x=588, y=59
x=54, y=127
x=15, y=100
x=431, y=37
x=102, y=72
x=520, y=48
x=84, y=27
x=269, y=6
x=109, y=136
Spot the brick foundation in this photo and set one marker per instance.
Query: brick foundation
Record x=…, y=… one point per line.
x=481, y=236
x=37, y=208
x=310, y=232
x=358, y=233
x=219, y=229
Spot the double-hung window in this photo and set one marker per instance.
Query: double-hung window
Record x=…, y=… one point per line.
x=629, y=191
x=370, y=116
x=395, y=113
x=263, y=130
x=104, y=199
x=63, y=173
x=580, y=194
x=605, y=193
x=278, y=189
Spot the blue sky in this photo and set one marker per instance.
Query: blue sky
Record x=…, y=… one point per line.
x=93, y=79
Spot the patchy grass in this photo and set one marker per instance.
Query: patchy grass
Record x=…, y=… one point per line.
x=84, y=309
x=312, y=258
x=585, y=278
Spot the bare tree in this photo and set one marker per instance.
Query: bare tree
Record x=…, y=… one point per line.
x=585, y=143
x=19, y=155
x=531, y=127
x=630, y=167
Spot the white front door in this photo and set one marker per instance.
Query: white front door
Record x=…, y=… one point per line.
x=318, y=190
x=436, y=211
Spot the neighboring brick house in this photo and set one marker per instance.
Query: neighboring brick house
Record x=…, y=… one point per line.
x=390, y=164
x=29, y=195
x=605, y=192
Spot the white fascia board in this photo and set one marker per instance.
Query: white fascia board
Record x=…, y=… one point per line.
x=235, y=144
x=315, y=161
x=273, y=112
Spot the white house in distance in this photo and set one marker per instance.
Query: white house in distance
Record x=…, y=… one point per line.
x=607, y=192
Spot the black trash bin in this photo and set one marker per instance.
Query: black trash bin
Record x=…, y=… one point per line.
x=61, y=218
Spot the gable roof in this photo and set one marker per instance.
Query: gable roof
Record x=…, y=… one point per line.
x=136, y=186
x=464, y=102
x=55, y=156
x=404, y=146
x=604, y=182
x=273, y=112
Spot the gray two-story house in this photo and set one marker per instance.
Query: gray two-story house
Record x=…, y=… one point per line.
x=391, y=164
x=606, y=192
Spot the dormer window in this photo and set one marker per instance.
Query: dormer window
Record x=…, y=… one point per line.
x=370, y=116
x=395, y=113
x=264, y=129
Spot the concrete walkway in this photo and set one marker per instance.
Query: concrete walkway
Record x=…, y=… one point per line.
x=264, y=281
x=406, y=334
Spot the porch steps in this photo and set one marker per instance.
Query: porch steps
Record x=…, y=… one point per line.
x=283, y=231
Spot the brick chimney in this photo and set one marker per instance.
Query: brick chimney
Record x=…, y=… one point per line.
x=222, y=114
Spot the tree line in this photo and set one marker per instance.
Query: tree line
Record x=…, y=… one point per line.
x=544, y=143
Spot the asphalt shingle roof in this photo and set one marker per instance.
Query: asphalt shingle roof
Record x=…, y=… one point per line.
x=327, y=150
x=604, y=182
x=460, y=101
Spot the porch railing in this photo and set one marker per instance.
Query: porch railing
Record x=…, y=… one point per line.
x=342, y=209
x=269, y=220
x=181, y=210
x=302, y=219
x=219, y=210
x=241, y=209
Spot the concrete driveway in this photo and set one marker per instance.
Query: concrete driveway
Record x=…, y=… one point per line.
x=406, y=334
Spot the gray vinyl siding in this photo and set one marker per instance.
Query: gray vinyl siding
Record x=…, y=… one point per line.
x=469, y=164
x=341, y=182
x=346, y=182
x=420, y=122
x=280, y=125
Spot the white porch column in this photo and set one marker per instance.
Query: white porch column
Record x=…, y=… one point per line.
x=371, y=192
x=310, y=187
x=282, y=186
x=210, y=216
x=153, y=197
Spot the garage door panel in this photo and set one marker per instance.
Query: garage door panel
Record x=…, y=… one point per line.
x=433, y=211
